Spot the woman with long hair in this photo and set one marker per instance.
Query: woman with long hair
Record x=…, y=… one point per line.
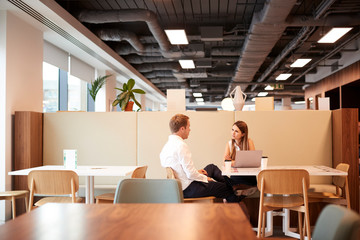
x=240, y=141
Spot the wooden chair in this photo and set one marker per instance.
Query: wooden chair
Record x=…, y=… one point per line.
x=139, y=172
x=53, y=182
x=171, y=175
x=341, y=186
x=288, y=189
x=149, y=191
x=12, y=196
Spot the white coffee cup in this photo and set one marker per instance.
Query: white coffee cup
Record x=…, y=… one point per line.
x=227, y=166
x=264, y=162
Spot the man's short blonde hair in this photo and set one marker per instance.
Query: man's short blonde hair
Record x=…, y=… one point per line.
x=178, y=121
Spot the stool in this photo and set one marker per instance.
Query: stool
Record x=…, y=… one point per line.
x=12, y=195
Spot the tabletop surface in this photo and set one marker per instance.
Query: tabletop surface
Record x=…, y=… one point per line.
x=131, y=221
x=84, y=170
x=313, y=170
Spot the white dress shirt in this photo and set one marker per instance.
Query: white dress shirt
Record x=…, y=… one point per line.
x=176, y=154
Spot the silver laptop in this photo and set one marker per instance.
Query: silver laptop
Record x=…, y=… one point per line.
x=248, y=159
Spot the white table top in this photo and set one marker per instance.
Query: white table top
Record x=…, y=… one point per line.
x=313, y=170
x=84, y=170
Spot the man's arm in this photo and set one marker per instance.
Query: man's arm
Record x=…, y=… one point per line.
x=188, y=165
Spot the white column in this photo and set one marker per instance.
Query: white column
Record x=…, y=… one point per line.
x=21, y=84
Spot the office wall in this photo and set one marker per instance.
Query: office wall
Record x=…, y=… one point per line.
x=21, y=55
x=101, y=138
x=129, y=138
x=294, y=137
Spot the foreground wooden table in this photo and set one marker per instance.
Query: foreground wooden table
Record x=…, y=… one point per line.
x=130, y=221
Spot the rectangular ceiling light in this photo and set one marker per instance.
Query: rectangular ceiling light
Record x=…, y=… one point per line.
x=197, y=94
x=200, y=103
x=262, y=94
x=177, y=37
x=269, y=88
x=199, y=99
x=283, y=76
x=300, y=62
x=187, y=63
x=333, y=35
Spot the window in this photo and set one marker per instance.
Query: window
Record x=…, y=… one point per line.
x=77, y=91
x=50, y=88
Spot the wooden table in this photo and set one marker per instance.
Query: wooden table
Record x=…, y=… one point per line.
x=89, y=172
x=130, y=221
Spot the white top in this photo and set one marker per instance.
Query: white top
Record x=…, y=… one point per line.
x=84, y=170
x=313, y=170
x=176, y=154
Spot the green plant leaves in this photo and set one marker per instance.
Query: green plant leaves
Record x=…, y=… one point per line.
x=138, y=91
x=96, y=85
x=127, y=93
x=130, y=84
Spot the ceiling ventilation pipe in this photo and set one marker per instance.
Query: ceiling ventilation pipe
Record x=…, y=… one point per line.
x=265, y=30
x=149, y=67
x=93, y=16
x=116, y=35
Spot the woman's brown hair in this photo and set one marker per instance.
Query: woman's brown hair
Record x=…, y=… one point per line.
x=244, y=141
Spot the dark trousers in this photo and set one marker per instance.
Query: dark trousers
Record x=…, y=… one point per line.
x=220, y=189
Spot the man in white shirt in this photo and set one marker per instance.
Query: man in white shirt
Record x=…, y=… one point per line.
x=195, y=183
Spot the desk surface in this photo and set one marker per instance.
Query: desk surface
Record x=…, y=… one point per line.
x=130, y=221
x=313, y=170
x=84, y=170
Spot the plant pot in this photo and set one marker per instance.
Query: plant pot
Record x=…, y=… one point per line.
x=129, y=106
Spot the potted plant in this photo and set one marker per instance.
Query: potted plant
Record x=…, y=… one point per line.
x=96, y=85
x=127, y=93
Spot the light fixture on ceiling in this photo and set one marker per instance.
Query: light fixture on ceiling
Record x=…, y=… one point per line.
x=334, y=34
x=197, y=94
x=199, y=99
x=253, y=99
x=177, y=37
x=300, y=62
x=299, y=102
x=262, y=94
x=200, y=103
x=283, y=76
x=227, y=104
x=187, y=64
x=269, y=88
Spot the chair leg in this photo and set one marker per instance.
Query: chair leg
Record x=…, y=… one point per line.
x=260, y=222
x=263, y=224
x=13, y=207
x=300, y=226
x=308, y=230
x=26, y=203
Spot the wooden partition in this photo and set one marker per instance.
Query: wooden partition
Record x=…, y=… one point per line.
x=129, y=138
x=345, y=148
x=28, y=148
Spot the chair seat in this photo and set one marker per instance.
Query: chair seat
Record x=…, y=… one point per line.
x=323, y=188
x=17, y=193
x=322, y=195
x=57, y=200
x=283, y=201
x=209, y=199
x=105, y=198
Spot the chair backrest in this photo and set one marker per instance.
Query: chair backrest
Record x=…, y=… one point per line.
x=340, y=180
x=53, y=182
x=137, y=190
x=170, y=173
x=283, y=181
x=139, y=172
x=337, y=223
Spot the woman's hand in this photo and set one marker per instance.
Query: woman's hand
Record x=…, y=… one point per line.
x=227, y=157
